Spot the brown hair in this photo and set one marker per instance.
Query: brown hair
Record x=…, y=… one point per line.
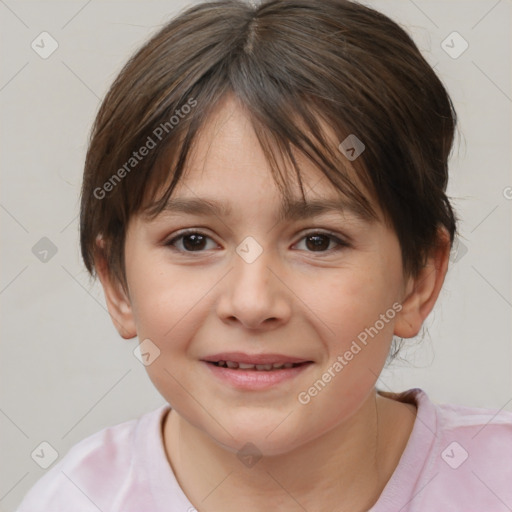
x=290, y=63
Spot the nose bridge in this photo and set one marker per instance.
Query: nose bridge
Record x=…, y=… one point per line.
x=254, y=296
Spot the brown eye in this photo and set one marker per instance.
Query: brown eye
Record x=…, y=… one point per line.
x=317, y=242
x=321, y=242
x=191, y=241
x=194, y=242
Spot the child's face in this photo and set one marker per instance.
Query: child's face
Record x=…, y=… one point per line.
x=300, y=298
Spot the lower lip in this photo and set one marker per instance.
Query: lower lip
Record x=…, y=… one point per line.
x=255, y=379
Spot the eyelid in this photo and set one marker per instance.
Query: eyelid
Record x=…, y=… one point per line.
x=321, y=231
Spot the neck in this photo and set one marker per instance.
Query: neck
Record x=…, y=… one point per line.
x=345, y=469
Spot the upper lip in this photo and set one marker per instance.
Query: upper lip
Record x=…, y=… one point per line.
x=240, y=357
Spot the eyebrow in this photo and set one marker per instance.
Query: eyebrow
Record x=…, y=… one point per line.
x=290, y=210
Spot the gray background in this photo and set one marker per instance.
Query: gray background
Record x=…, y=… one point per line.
x=65, y=373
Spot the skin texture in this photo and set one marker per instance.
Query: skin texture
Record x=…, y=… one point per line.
x=334, y=453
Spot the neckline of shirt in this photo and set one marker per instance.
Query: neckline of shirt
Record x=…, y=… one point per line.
x=165, y=489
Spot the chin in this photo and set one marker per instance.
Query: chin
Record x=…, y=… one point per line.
x=248, y=433
x=257, y=445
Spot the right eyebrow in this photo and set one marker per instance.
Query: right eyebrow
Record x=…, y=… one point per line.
x=196, y=206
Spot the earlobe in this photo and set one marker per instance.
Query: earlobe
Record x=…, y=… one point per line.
x=118, y=302
x=422, y=291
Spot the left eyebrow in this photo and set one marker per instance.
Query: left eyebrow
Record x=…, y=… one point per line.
x=298, y=210
x=290, y=210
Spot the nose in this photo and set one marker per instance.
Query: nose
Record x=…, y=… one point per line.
x=255, y=295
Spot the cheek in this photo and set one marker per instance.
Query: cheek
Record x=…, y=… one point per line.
x=354, y=300
x=163, y=299
x=169, y=307
x=357, y=344
x=357, y=319
x=168, y=311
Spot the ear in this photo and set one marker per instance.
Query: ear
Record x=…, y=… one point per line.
x=422, y=291
x=118, y=301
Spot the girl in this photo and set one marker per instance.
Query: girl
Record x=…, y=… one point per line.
x=264, y=202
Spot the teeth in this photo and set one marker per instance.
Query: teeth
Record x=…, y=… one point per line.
x=264, y=367
x=261, y=367
x=244, y=366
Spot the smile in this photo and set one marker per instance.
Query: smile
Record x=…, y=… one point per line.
x=260, y=372
x=258, y=367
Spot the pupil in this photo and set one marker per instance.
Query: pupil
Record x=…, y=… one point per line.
x=197, y=241
x=321, y=242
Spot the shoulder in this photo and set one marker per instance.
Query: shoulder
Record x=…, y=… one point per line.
x=485, y=434
x=470, y=459
x=93, y=471
x=446, y=420
x=460, y=416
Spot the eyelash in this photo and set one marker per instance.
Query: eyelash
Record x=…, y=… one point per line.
x=341, y=244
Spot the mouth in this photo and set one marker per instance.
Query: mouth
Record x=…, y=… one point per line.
x=255, y=372
x=256, y=362
x=234, y=365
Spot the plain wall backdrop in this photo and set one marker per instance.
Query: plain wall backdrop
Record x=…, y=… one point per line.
x=65, y=372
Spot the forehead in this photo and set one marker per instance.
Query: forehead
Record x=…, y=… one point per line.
x=229, y=163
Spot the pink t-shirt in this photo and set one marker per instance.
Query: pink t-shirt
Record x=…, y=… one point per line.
x=457, y=459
